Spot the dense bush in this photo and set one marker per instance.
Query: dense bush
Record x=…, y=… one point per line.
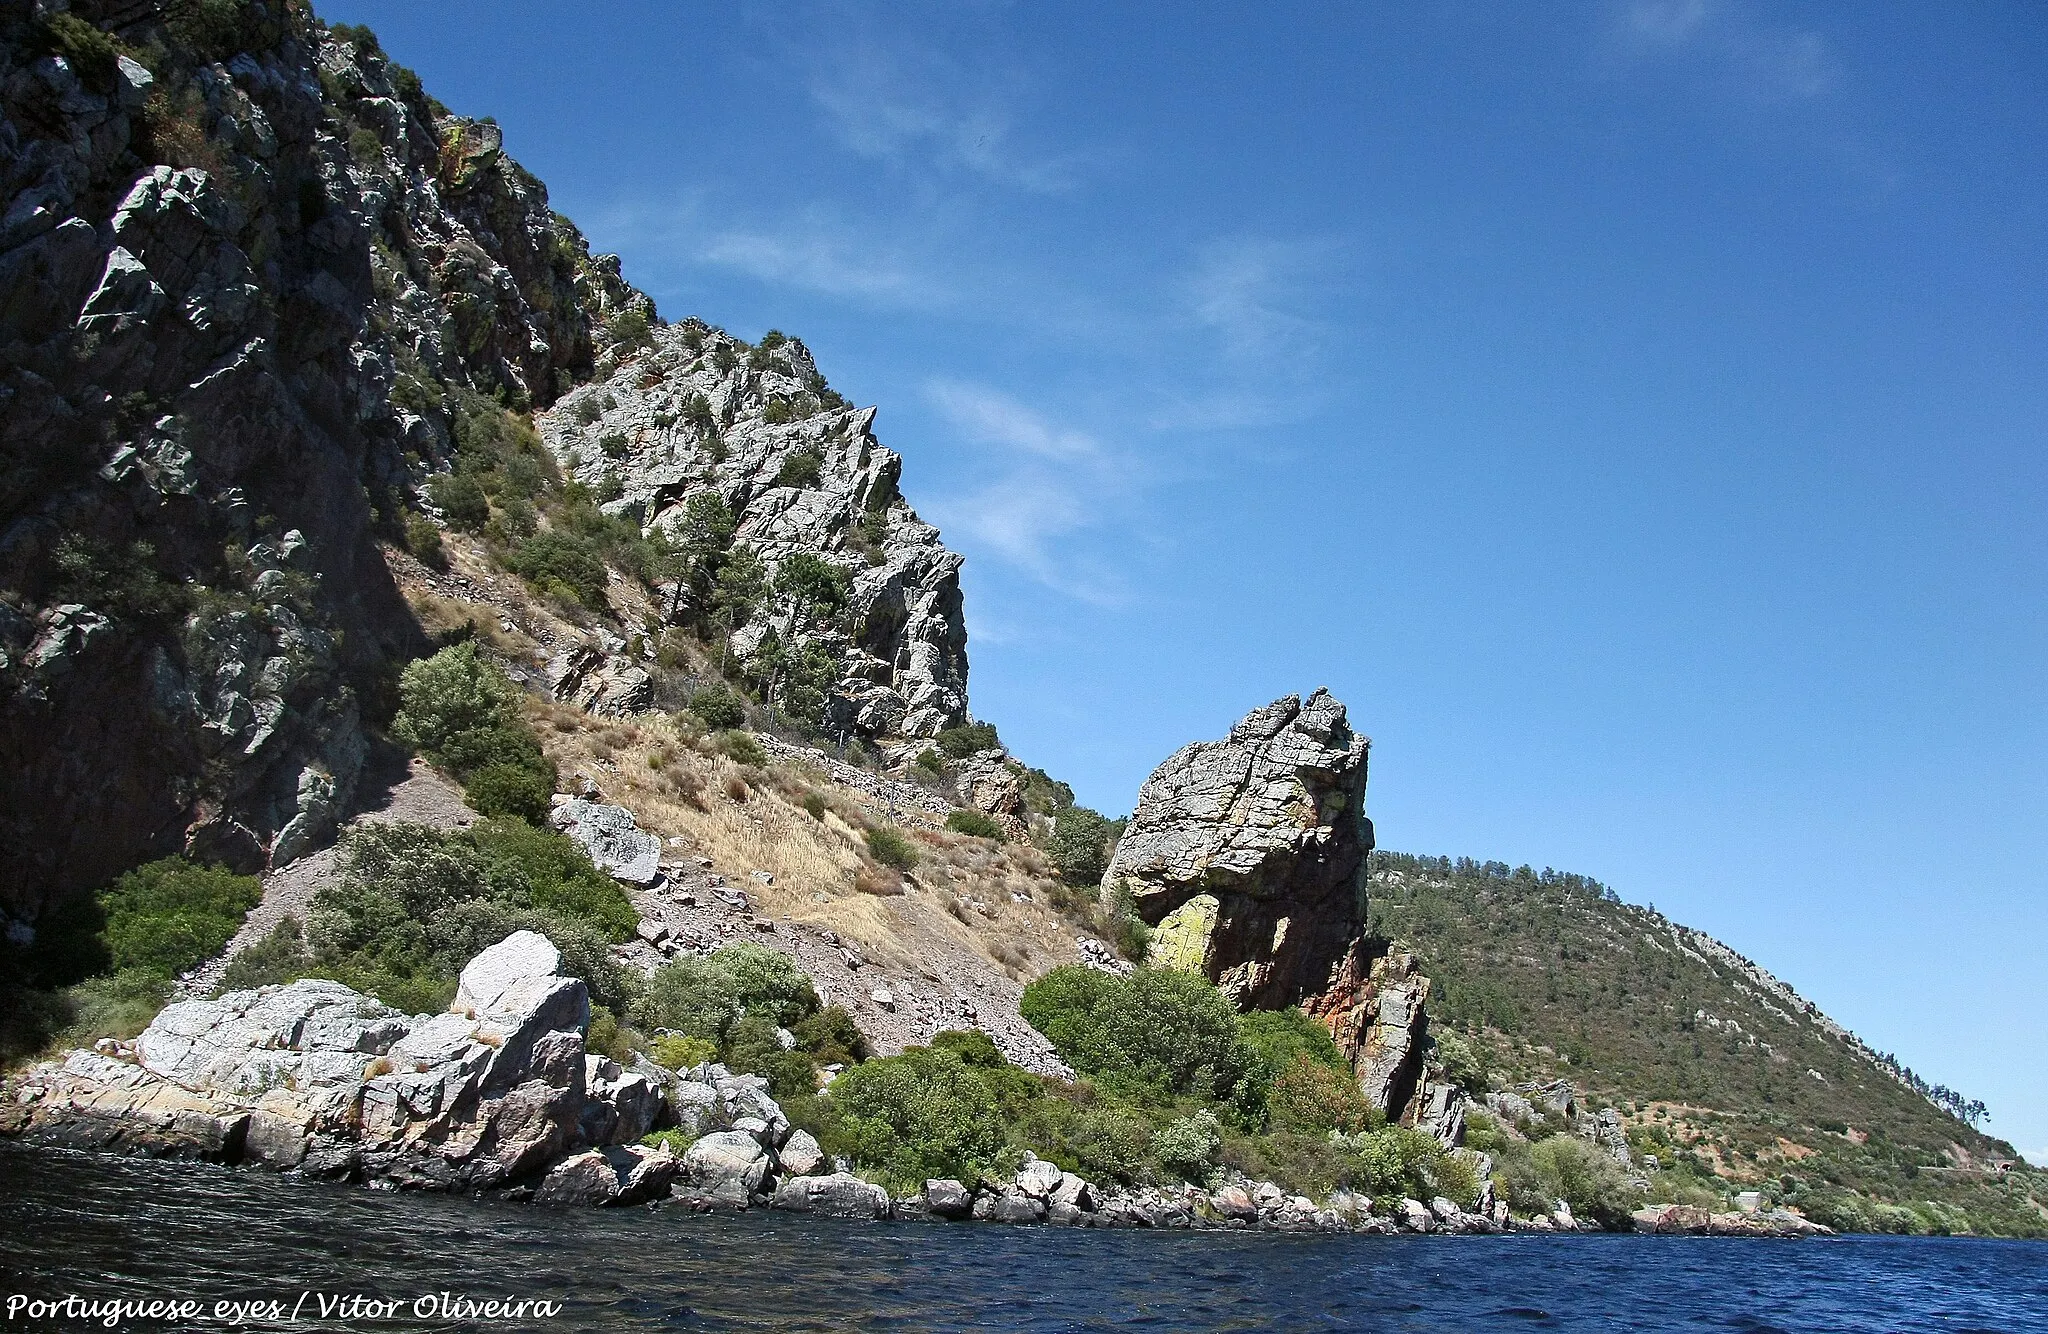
x=923, y=1114
x=555, y=562
x=462, y=712
x=717, y=707
x=887, y=845
x=1080, y=844
x=413, y=905
x=1157, y=1033
x=741, y=748
x=1314, y=1098
x=706, y=998
x=458, y=496
x=801, y=468
x=980, y=824
x=170, y=916
x=968, y=739
x=1190, y=1147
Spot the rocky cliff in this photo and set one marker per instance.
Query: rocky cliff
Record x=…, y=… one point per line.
x=250, y=271
x=796, y=470
x=1247, y=856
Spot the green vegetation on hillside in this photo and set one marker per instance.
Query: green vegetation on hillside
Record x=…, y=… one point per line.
x=103, y=964
x=414, y=905
x=1732, y=1087
x=1173, y=1085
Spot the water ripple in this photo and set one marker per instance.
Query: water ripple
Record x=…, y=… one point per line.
x=104, y=1228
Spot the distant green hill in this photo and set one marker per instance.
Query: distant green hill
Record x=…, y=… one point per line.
x=1717, y=1066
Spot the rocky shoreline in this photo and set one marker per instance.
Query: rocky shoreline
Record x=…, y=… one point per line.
x=499, y=1095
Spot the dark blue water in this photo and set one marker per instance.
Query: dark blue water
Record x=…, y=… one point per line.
x=103, y=1228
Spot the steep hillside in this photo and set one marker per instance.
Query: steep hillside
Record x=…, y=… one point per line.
x=1715, y=1064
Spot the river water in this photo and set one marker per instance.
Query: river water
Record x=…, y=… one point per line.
x=101, y=1229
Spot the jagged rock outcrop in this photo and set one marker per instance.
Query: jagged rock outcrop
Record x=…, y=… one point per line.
x=1247, y=855
x=244, y=289
x=798, y=471
x=614, y=840
x=988, y=781
x=598, y=678
x=318, y=1077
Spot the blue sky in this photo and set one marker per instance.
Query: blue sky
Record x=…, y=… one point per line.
x=1634, y=411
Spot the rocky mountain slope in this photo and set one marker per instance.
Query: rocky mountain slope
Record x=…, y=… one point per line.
x=795, y=470
x=249, y=270
x=303, y=379
x=1717, y=1067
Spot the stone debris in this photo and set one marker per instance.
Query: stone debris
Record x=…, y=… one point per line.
x=612, y=838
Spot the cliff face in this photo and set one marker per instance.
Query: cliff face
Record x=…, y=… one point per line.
x=798, y=471
x=1247, y=856
x=246, y=267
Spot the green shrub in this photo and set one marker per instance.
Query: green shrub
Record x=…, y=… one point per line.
x=1312, y=1097
x=1080, y=845
x=1099, y=1139
x=365, y=147
x=280, y=956
x=453, y=693
x=170, y=916
x=1279, y=1037
x=1156, y=1033
x=423, y=540
x=510, y=789
x=980, y=824
x=119, y=1005
x=718, y=707
x=413, y=905
x=1595, y=1185
x=552, y=557
x=801, y=468
x=1398, y=1162
x=460, y=710
x=680, y=1053
x=1190, y=1147
x=459, y=497
x=630, y=329
x=972, y=1046
x=1460, y=1064
x=887, y=845
x=931, y=763
x=969, y=739
x=831, y=1037
x=923, y=1114
x=706, y=998
x=90, y=52
x=741, y=748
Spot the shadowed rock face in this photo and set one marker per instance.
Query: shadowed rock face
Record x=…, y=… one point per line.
x=229, y=331
x=1247, y=855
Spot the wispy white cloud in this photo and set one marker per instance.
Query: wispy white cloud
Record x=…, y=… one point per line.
x=996, y=418
x=1243, y=289
x=823, y=259
x=1753, y=54
x=1250, y=352
x=908, y=104
x=1049, y=484
x=814, y=249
